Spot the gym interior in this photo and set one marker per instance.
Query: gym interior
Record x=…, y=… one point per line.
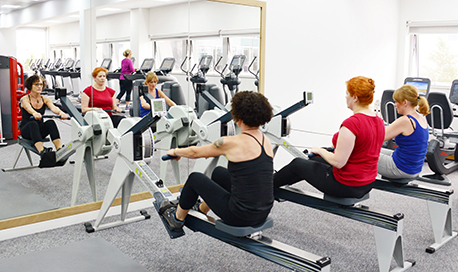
x=97, y=211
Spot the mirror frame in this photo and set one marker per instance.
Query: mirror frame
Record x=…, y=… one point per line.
x=83, y=208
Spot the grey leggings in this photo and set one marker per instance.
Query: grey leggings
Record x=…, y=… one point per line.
x=387, y=168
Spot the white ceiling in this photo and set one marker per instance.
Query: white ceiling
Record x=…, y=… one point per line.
x=20, y=3
x=113, y=8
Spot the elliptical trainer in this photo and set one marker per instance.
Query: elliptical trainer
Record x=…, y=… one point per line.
x=199, y=80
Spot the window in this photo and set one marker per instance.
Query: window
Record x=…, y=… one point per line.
x=25, y=52
x=245, y=45
x=434, y=51
x=173, y=48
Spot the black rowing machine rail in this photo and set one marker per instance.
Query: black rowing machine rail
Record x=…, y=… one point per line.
x=248, y=238
x=387, y=227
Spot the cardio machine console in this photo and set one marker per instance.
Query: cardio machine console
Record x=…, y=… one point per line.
x=422, y=84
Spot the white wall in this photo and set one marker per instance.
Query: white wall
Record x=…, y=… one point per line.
x=7, y=36
x=319, y=45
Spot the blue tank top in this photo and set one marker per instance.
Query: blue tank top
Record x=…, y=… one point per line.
x=144, y=111
x=252, y=194
x=410, y=154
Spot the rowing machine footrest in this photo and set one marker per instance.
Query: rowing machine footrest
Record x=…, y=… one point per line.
x=399, y=180
x=346, y=201
x=244, y=231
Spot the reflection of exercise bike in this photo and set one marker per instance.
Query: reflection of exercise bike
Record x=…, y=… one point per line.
x=256, y=75
x=213, y=95
x=231, y=79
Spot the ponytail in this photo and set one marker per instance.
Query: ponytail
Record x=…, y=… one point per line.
x=423, y=106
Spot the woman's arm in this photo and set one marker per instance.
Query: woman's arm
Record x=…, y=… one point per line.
x=144, y=104
x=345, y=145
x=167, y=100
x=399, y=126
x=114, y=104
x=131, y=66
x=55, y=109
x=217, y=148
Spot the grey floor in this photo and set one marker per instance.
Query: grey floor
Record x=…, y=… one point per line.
x=349, y=244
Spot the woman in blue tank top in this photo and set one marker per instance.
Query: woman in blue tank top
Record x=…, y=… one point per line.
x=411, y=134
x=241, y=195
x=151, y=81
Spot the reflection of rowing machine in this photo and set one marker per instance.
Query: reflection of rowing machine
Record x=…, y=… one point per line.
x=174, y=131
x=212, y=125
x=88, y=140
x=127, y=142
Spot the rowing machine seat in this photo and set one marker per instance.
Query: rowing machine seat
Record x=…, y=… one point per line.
x=345, y=201
x=244, y=231
x=400, y=180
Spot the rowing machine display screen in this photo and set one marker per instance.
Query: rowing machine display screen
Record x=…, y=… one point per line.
x=158, y=107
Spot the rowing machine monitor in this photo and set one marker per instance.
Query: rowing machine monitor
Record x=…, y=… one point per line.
x=158, y=107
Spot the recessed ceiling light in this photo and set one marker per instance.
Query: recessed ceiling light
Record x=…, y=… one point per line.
x=110, y=9
x=11, y=6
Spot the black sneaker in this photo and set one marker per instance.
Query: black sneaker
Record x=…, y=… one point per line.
x=197, y=205
x=167, y=210
x=45, y=150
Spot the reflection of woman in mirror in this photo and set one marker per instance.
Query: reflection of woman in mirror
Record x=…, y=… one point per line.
x=127, y=68
x=151, y=80
x=242, y=194
x=34, y=105
x=100, y=97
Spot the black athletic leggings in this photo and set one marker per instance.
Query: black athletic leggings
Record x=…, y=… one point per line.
x=38, y=131
x=126, y=87
x=116, y=119
x=319, y=174
x=216, y=192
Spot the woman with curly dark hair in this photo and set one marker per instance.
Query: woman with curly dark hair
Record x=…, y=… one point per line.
x=242, y=194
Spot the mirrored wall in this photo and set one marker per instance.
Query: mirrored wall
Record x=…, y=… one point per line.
x=189, y=32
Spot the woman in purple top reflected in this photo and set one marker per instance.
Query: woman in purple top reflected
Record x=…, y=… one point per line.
x=127, y=68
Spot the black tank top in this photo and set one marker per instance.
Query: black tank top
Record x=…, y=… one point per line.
x=252, y=186
x=26, y=115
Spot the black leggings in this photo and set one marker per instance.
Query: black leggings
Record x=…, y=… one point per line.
x=126, y=87
x=319, y=174
x=216, y=192
x=116, y=119
x=38, y=131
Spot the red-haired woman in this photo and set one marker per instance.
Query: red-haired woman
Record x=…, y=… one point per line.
x=100, y=97
x=350, y=170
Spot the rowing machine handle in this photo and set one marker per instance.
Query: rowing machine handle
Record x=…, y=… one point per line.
x=47, y=116
x=330, y=149
x=168, y=157
x=114, y=111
